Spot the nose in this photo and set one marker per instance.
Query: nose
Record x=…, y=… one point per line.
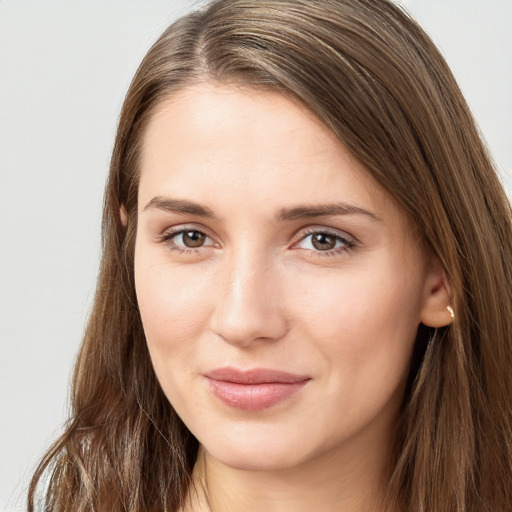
x=249, y=305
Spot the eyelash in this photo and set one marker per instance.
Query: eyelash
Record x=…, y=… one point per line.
x=349, y=243
x=166, y=238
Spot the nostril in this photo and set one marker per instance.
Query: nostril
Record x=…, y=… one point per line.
x=244, y=325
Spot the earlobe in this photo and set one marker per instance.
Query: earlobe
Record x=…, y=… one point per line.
x=123, y=216
x=437, y=310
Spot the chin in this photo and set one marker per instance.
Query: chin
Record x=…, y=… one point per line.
x=257, y=451
x=255, y=460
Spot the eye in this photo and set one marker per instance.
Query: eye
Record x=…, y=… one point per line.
x=189, y=238
x=325, y=242
x=186, y=238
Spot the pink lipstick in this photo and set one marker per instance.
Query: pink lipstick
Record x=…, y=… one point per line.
x=253, y=390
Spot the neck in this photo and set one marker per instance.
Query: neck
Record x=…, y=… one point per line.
x=332, y=482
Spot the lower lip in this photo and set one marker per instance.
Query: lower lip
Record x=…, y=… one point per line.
x=253, y=397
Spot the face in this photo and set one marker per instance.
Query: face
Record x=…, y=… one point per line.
x=280, y=287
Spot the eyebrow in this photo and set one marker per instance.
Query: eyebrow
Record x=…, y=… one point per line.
x=181, y=206
x=324, y=210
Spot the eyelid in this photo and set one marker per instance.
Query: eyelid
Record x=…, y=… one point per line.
x=188, y=227
x=349, y=242
x=311, y=230
x=169, y=233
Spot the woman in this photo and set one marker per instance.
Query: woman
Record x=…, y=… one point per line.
x=304, y=298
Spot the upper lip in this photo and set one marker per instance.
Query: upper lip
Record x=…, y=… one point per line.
x=255, y=376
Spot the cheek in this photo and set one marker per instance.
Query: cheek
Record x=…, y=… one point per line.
x=365, y=337
x=167, y=304
x=364, y=323
x=359, y=301
x=173, y=308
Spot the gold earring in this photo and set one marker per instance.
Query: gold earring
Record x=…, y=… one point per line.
x=450, y=310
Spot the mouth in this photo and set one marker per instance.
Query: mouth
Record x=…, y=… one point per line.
x=253, y=390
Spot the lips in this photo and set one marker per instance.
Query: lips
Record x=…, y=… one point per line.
x=253, y=390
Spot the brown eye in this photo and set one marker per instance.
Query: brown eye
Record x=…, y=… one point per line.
x=192, y=238
x=187, y=239
x=323, y=241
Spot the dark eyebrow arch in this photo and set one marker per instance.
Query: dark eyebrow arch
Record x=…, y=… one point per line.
x=324, y=210
x=179, y=206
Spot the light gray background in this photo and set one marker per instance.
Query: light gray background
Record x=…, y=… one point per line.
x=64, y=68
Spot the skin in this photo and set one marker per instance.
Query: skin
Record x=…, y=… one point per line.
x=259, y=294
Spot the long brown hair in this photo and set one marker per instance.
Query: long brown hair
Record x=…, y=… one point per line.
x=370, y=74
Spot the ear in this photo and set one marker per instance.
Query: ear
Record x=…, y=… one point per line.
x=123, y=216
x=437, y=298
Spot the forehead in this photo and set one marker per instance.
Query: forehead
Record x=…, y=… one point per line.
x=249, y=148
